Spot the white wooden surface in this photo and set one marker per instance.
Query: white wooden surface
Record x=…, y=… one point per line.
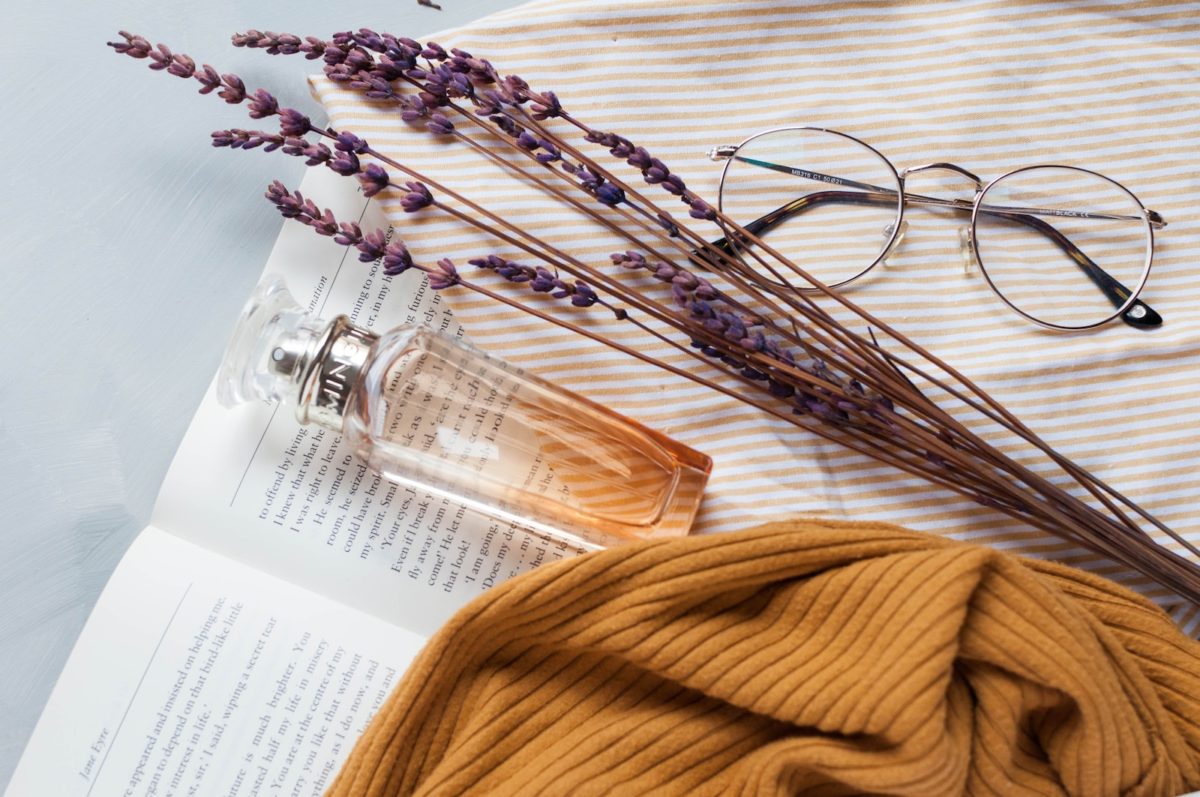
x=127, y=247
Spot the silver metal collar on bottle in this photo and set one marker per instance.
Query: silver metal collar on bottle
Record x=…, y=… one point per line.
x=326, y=371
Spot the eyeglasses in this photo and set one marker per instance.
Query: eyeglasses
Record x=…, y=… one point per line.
x=1065, y=247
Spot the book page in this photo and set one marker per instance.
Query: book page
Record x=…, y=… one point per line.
x=253, y=484
x=197, y=675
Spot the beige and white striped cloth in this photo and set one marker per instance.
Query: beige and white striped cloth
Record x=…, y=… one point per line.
x=990, y=85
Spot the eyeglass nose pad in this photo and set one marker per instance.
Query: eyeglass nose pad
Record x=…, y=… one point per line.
x=966, y=246
x=895, y=245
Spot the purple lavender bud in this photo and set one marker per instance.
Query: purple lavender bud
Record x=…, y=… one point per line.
x=317, y=154
x=610, y=195
x=133, y=46
x=411, y=44
x=390, y=68
x=263, y=105
x=418, y=197
x=544, y=281
x=546, y=107
x=516, y=90
x=412, y=109
x=589, y=178
x=506, y=125
x=460, y=86
x=439, y=125
x=285, y=44
x=313, y=48
x=639, y=158
x=334, y=56
x=779, y=389
x=705, y=290
x=702, y=310
x=369, y=39
x=293, y=123
x=629, y=259
x=222, y=138
x=549, y=152
x=754, y=342
x=376, y=88
x=160, y=58
x=702, y=210
x=182, y=66
x=445, y=275
x=350, y=234
x=527, y=141
x=489, y=105
x=345, y=164
x=373, y=179
x=655, y=175
x=359, y=61
x=685, y=280
x=623, y=148
x=340, y=73
x=674, y=184
x=234, y=91
x=348, y=142
x=396, y=259
x=584, y=295
x=372, y=246
x=434, y=52
x=417, y=73
x=324, y=224
x=209, y=79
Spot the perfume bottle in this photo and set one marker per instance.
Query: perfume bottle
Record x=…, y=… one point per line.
x=432, y=412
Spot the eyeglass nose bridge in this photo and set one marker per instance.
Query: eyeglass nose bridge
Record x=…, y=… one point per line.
x=945, y=167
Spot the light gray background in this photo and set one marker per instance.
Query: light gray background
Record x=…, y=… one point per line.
x=128, y=246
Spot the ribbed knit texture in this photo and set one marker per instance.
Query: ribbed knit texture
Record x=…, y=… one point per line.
x=799, y=657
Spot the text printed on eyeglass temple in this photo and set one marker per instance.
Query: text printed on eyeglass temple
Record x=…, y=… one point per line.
x=821, y=178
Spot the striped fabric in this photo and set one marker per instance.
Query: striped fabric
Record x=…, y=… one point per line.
x=990, y=85
x=794, y=659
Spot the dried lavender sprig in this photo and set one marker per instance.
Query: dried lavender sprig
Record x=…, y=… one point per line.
x=889, y=360
x=397, y=260
x=655, y=172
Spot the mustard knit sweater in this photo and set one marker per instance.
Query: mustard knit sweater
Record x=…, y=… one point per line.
x=798, y=658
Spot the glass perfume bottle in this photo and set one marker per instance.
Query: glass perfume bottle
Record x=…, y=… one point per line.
x=432, y=412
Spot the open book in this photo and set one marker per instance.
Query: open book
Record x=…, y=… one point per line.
x=253, y=629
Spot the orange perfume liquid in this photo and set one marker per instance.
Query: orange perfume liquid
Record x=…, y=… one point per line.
x=429, y=411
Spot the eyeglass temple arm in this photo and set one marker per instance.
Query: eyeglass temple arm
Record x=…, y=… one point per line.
x=1138, y=314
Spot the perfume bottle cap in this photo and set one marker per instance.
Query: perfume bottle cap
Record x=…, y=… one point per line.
x=267, y=345
x=280, y=352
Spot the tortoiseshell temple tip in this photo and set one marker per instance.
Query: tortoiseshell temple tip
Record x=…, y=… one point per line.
x=1140, y=315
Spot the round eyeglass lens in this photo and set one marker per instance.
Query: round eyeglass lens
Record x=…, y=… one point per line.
x=1065, y=247
x=826, y=201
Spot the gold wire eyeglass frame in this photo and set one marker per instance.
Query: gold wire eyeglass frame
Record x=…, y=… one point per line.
x=1128, y=306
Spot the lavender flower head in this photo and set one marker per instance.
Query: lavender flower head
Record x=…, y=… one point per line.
x=418, y=197
x=444, y=275
x=373, y=179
